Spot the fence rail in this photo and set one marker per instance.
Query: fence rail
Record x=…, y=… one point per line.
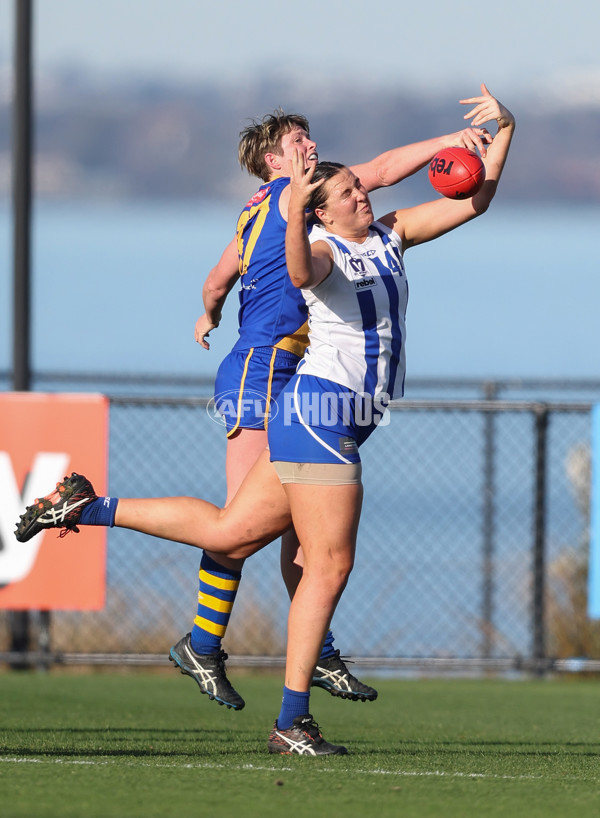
x=472, y=551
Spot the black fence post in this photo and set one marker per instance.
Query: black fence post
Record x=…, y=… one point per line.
x=539, y=540
x=20, y=621
x=21, y=164
x=488, y=526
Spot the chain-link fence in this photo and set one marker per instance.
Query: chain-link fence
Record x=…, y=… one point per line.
x=472, y=547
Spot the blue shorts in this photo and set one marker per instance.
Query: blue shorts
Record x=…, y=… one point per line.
x=247, y=384
x=319, y=421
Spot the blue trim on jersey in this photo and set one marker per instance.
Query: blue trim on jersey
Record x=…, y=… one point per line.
x=366, y=304
x=396, y=264
x=396, y=345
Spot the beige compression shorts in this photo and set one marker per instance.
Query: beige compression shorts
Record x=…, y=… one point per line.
x=318, y=474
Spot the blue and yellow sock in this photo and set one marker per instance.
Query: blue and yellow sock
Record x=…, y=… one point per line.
x=216, y=595
x=293, y=704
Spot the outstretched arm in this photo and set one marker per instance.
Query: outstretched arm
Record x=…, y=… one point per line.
x=486, y=109
x=425, y=222
x=394, y=165
x=217, y=287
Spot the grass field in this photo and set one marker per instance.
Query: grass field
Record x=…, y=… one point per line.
x=148, y=744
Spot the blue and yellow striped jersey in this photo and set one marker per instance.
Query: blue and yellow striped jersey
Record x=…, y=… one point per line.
x=272, y=311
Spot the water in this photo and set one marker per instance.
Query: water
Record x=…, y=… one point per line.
x=125, y=281
x=510, y=295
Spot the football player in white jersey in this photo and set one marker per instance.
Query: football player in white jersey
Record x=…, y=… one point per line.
x=311, y=476
x=352, y=274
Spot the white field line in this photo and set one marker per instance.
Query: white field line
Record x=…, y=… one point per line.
x=263, y=768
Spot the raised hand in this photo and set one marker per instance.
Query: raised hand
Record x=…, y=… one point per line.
x=487, y=108
x=301, y=183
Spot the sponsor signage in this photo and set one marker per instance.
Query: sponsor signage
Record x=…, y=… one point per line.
x=43, y=438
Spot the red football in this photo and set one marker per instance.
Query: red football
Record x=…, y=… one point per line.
x=457, y=173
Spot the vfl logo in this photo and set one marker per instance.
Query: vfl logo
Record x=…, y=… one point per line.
x=17, y=559
x=358, y=265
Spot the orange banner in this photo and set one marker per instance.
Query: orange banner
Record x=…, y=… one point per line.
x=43, y=438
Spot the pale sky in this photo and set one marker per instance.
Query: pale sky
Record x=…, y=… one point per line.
x=427, y=45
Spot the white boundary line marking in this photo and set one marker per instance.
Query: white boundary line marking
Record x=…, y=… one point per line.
x=264, y=768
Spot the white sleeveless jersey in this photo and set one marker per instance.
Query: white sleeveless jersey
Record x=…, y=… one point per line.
x=357, y=314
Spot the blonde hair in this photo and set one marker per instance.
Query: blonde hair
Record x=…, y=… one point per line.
x=264, y=136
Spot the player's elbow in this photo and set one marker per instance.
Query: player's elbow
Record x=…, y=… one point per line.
x=214, y=290
x=299, y=273
x=216, y=293
x=386, y=175
x=299, y=281
x=481, y=207
x=483, y=199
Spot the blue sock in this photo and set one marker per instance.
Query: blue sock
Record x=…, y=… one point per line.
x=293, y=704
x=100, y=511
x=216, y=595
x=327, y=649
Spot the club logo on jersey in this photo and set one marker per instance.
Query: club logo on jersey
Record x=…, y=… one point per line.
x=258, y=197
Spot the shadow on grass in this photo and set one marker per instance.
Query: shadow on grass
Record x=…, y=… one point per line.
x=141, y=741
x=133, y=752
x=497, y=748
x=175, y=731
